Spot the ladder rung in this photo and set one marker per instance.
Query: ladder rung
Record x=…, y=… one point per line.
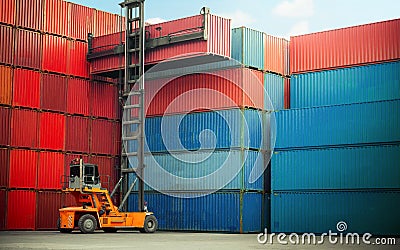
x=133, y=34
x=133, y=50
x=132, y=81
x=133, y=65
x=130, y=154
x=134, y=106
x=128, y=170
x=134, y=19
x=135, y=121
x=135, y=93
x=130, y=138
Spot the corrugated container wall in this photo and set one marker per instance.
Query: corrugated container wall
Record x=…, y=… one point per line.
x=50, y=170
x=23, y=168
x=276, y=55
x=56, y=17
x=287, y=91
x=5, y=126
x=6, y=85
x=374, y=82
x=81, y=21
x=3, y=209
x=26, y=88
x=29, y=14
x=54, y=92
x=55, y=54
x=103, y=100
x=6, y=44
x=342, y=124
x=7, y=8
x=372, y=167
x=356, y=45
x=274, y=92
x=374, y=212
x=52, y=131
x=24, y=128
x=77, y=134
x=248, y=47
x=47, y=213
x=78, y=96
x=77, y=64
x=4, y=167
x=28, y=48
x=102, y=137
x=21, y=217
x=224, y=212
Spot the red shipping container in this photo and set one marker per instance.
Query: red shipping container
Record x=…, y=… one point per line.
x=229, y=89
x=3, y=208
x=29, y=14
x=23, y=168
x=104, y=100
x=56, y=15
x=117, y=140
x=26, y=88
x=7, y=10
x=80, y=19
x=28, y=49
x=50, y=170
x=55, y=54
x=356, y=45
x=4, y=167
x=52, y=131
x=77, y=64
x=5, y=126
x=47, y=213
x=106, y=23
x=68, y=200
x=78, y=96
x=6, y=44
x=102, y=137
x=287, y=93
x=53, y=92
x=77, y=134
x=21, y=209
x=276, y=55
x=24, y=128
x=108, y=172
x=6, y=84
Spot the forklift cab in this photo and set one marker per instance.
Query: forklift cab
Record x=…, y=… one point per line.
x=83, y=175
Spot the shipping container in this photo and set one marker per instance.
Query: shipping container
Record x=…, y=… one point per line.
x=6, y=85
x=102, y=137
x=248, y=47
x=274, y=92
x=80, y=20
x=47, y=213
x=222, y=212
x=225, y=89
x=21, y=216
x=78, y=96
x=372, y=122
x=7, y=8
x=55, y=54
x=5, y=126
x=77, y=134
x=372, y=167
x=53, y=93
x=117, y=139
x=374, y=212
x=50, y=170
x=287, y=93
x=106, y=23
x=355, y=45
x=26, y=88
x=23, y=168
x=77, y=65
x=276, y=55
x=218, y=42
x=202, y=170
x=6, y=44
x=29, y=14
x=234, y=128
x=52, y=131
x=28, y=48
x=374, y=82
x=55, y=17
x=3, y=209
x=4, y=167
x=108, y=171
x=24, y=128
x=104, y=100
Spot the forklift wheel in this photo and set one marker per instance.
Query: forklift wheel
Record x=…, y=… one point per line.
x=87, y=223
x=62, y=230
x=150, y=224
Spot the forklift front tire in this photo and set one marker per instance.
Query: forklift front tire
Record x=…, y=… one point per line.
x=150, y=224
x=87, y=223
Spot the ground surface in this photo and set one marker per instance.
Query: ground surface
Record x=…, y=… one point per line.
x=159, y=240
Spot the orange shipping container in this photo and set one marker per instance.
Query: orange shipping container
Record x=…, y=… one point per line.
x=276, y=55
x=356, y=45
x=5, y=85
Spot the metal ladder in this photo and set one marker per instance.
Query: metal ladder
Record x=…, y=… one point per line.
x=132, y=95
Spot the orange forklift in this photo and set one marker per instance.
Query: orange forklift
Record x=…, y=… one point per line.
x=96, y=208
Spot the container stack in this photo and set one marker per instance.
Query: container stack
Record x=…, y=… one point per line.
x=337, y=148
x=51, y=111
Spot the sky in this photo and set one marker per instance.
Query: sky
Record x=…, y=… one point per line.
x=283, y=18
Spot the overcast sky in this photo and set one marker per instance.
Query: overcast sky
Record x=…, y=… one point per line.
x=276, y=17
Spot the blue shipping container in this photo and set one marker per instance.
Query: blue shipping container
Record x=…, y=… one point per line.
x=375, y=82
x=318, y=212
x=274, y=92
x=369, y=167
x=248, y=47
x=375, y=122
x=232, y=128
x=222, y=212
x=203, y=170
